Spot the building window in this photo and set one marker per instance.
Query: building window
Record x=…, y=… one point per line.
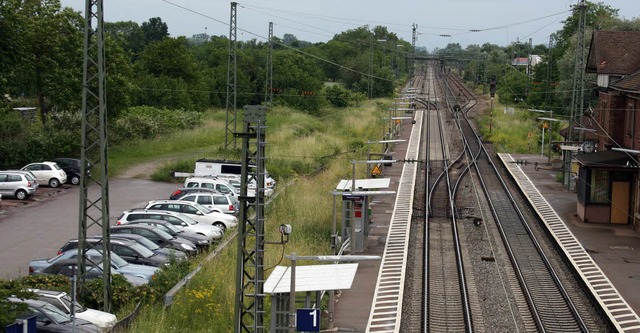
x=599, y=186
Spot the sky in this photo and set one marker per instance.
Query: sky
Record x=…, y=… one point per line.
x=439, y=23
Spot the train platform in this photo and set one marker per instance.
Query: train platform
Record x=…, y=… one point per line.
x=614, y=248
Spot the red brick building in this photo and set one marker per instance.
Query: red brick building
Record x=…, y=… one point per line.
x=606, y=178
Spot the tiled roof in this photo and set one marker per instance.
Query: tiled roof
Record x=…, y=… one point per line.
x=614, y=52
x=630, y=83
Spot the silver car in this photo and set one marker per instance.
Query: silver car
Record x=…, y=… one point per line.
x=18, y=184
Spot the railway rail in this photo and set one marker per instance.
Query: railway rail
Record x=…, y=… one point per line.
x=449, y=301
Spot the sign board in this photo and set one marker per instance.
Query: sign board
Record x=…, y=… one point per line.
x=376, y=170
x=308, y=320
x=353, y=197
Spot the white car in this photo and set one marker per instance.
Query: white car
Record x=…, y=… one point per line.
x=104, y=320
x=47, y=173
x=195, y=211
x=180, y=220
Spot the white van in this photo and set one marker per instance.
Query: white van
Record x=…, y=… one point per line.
x=222, y=168
x=222, y=186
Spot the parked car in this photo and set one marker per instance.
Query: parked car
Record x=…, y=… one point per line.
x=214, y=201
x=196, y=212
x=117, y=263
x=186, y=190
x=103, y=320
x=69, y=268
x=180, y=220
x=51, y=319
x=47, y=173
x=18, y=184
x=129, y=250
x=157, y=236
x=72, y=167
x=215, y=183
x=201, y=242
x=144, y=241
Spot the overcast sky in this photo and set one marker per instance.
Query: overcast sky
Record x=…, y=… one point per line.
x=439, y=22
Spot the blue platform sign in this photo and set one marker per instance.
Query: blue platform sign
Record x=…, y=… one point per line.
x=308, y=320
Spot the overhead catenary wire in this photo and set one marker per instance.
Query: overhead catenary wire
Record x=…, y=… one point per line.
x=285, y=45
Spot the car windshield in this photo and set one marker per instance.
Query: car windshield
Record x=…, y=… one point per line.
x=147, y=243
x=67, y=302
x=166, y=229
x=118, y=261
x=163, y=234
x=143, y=251
x=57, y=166
x=202, y=208
x=55, y=314
x=186, y=219
x=56, y=257
x=173, y=228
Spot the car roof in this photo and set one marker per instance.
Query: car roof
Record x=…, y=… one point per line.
x=44, y=292
x=149, y=221
x=172, y=201
x=32, y=302
x=129, y=225
x=150, y=211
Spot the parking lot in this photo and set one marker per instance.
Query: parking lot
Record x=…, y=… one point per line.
x=37, y=227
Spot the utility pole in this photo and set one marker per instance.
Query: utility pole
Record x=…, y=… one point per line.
x=230, y=128
x=249, y=309
x=547, y=93
x=577, y=97
x=370, y=66
x=414, y=37
x=268, y=95
x=94, y=205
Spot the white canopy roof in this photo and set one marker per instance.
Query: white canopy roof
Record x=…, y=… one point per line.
x=311, y=278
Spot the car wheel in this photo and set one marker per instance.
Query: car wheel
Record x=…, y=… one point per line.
x=75, y=179
x=221, y=226
x=21, y=194
x=53, y=182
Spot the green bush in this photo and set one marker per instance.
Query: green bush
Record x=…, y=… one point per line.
x=165, y=172
x=146, y=122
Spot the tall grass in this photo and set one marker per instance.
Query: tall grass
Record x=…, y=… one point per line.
x=325, y=145
x=519, y=132
x=201, y=141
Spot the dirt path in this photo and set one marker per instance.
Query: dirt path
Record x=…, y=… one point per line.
x=142, y=170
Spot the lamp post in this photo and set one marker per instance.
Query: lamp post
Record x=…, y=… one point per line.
x=550, y=128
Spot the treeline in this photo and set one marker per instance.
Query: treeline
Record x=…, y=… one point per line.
x=547, y=85
x=41, y=60
x=41, y=57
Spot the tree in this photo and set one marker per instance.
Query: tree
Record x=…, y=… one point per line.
x=129, y=34
x=155, y=30
x=49, y=43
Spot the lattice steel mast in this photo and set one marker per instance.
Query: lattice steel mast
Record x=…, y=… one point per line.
x=268, y=94
x=94, y=204
x=231, y=123
x=249, y=312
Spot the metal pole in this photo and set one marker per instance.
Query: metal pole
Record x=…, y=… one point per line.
x=550, y=137
x=542, y=143
x=292, y=296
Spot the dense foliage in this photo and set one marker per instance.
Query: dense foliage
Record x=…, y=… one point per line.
x=549, y=84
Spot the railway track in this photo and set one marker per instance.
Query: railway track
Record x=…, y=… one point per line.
x=499, y=273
